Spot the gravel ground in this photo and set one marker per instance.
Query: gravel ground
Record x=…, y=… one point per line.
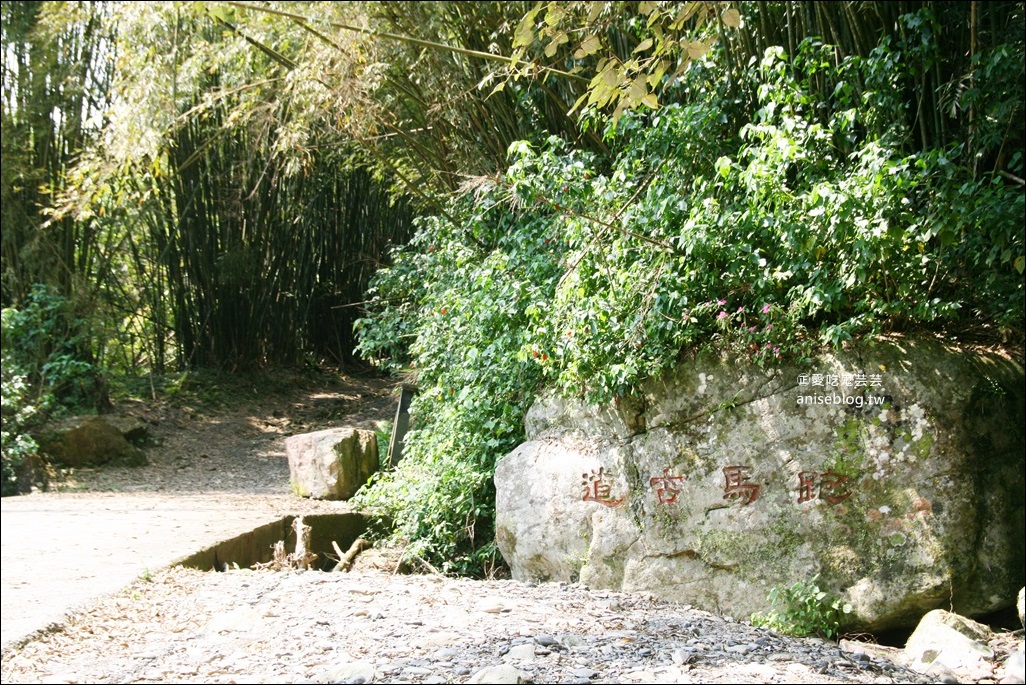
x=184, y=625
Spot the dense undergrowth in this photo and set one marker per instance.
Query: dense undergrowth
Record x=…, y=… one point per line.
x=43, y=372
x=756, y=217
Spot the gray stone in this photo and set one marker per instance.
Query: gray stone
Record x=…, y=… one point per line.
x=502, y=674
x=1014, y=669
x=354, y=671
x=724, y=480
x=88, y=441
x=948, y=644
x=523, y=653
x=133, y=429
x=331, y=464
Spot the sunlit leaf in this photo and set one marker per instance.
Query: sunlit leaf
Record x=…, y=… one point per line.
x=591, y=45
x=685, y=14
x=555, y=14
x=643, y=45
x=731, y=18
x=697, y=49
x=639, y=89
x=524, y=34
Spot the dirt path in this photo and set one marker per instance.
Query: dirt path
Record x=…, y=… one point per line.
x=218, y=470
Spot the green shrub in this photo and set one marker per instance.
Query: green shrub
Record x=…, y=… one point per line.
x=768, y=228
x=43, y=340
x=803, y=609
x=16, y=413
x=43, y=372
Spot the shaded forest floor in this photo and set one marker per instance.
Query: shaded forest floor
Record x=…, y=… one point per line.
x=226, y=432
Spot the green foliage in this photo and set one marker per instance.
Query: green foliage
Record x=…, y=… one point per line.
x=15, y=417
x=624, y=50
x=767, y=228
x=43, y=341
x=42, y=373
x=465, y=292
x=803, y=609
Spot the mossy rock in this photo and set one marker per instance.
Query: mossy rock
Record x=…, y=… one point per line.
x=88, y=441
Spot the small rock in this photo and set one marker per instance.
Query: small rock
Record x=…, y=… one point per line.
x=681, y=656
x=354, y=671
x=500, y=675
x=492, y=606
x=1014, y=670
x=520, y=653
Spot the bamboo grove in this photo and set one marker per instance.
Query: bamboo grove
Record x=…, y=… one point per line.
x=161, y=198
x=213, y=184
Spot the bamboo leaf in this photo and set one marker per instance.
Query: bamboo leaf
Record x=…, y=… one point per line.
x=580, y=101
x=685, y=14
x=731, y=18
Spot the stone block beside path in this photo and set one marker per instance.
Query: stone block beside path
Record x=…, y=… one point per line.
x=333, y=463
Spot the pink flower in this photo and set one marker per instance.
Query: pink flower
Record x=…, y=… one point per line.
x=721, y=302
x=751, y=329
x=766, y=309
x=740, y=309
x=722, y=315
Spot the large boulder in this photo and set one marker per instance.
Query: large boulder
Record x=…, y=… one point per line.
x=333, y=463
x=88, y=441
x=946, y=644
x=894, y=471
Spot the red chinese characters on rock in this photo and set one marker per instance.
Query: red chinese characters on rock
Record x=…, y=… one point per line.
x=737, y=485
x=667, y=487
x=598, y=488
x=829, y=486
x=833, y=487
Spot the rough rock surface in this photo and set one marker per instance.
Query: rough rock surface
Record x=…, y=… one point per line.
x=893, y=471
x=945, y=644
x=332, y=463
x=88, y=441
